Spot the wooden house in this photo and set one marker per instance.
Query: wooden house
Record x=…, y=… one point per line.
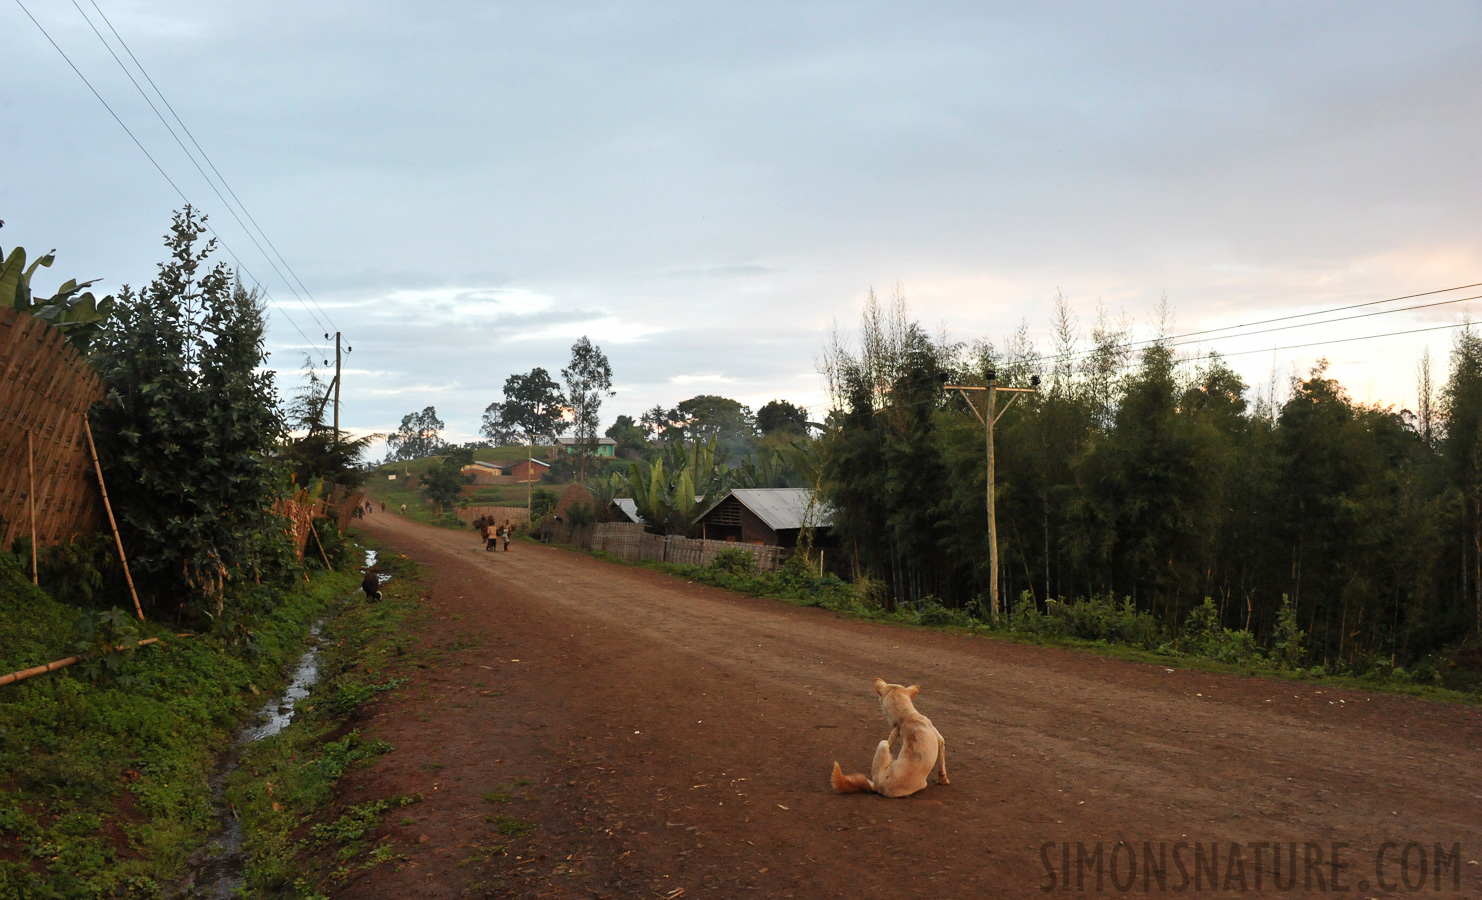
x=772, y=516
x=528, y=470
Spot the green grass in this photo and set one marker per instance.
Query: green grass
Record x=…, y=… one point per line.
x=289, y=779
x=106, y=783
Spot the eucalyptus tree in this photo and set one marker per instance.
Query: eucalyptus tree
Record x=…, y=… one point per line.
x=588, y=380
x=418, y=436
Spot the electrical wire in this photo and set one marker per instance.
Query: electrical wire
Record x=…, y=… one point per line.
x=153, y=161
x=1213, y=354
x=1180, y=339
x=192, y=159
x=209, y=162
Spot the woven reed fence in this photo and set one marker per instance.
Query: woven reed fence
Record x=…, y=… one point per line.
x=46, y=389
x=342, y=503
x=630, y=542
x=298, y=513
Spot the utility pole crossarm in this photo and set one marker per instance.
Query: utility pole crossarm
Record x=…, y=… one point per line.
x=989, y=417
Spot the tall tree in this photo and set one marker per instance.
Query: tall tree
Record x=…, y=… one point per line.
x=320, y=452
x=780, y=415
x=588, y=380
x=533, y=406
x=419, y=435
x=188, y=427
x=1461, y=399
x=728, y=421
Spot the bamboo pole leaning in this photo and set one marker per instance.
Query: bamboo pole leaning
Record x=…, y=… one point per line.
x=315, y=532
x=32, y=672
x=87, y=427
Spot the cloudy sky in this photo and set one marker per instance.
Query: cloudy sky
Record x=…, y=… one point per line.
x=704, y=189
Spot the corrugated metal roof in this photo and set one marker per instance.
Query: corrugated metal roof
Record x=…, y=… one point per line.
x=629, y=507
x=783, y=509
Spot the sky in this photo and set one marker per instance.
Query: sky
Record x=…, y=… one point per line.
x=706, y=190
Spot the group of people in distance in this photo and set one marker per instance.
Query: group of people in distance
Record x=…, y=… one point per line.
x=364, y=509
x=494, y=532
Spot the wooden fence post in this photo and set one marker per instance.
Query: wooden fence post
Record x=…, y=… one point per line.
x=111, y=522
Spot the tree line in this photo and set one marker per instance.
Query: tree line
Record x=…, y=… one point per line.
x=1140, y=475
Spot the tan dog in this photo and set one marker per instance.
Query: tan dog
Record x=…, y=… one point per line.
x=922, y=746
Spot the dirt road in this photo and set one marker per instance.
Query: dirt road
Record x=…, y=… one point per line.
x=667, y=739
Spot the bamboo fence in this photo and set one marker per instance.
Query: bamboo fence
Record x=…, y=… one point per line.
x=46, y=389
x=630, y=542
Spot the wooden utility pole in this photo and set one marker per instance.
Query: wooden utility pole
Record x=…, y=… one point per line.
x=990, y=415
x=336, y=387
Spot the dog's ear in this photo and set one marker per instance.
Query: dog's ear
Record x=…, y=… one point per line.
x=913, y=690
x=880, y=686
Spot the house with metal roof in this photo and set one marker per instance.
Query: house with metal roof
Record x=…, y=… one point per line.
x=627, y=508
x=773, y=516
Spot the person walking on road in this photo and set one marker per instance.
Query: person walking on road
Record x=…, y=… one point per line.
x=506, y=529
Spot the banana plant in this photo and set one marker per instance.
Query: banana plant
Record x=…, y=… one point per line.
x=678, y=485
x=72, y=310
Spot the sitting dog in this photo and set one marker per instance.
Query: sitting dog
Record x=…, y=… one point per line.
x=922, y=746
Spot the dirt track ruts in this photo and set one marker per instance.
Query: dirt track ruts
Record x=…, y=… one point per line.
x=680, y=737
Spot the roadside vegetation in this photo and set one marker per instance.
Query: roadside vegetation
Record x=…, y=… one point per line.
x=299, y=843
x=104, y=763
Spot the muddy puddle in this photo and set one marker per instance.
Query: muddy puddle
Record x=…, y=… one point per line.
x=218, y=871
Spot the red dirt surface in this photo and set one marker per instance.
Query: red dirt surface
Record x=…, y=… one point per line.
x=677, y=742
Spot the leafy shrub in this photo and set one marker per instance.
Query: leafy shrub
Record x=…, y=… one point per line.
x=581, y=514
x=935, y=614
x=735, y=561
x=1100, y=618
x=542, y=501
x=1204, y=635
x=1287, y=647
x=106, y=641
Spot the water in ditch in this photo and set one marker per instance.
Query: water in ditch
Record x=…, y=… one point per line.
x=219, y=872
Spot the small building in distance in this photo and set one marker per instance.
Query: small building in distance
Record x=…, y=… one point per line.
x=772, y=516
x=565, y=445
x=527, y=470
x=484, y=472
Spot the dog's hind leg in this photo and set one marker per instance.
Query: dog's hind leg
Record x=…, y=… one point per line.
x=942, y=759
x=881, y=764
x=894, y=733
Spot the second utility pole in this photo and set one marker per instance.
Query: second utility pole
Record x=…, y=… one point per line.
x=988, y=417
x=336, y=387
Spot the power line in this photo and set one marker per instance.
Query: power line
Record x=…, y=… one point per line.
x=210, y=163
x=1212, y=354
x=186, y=151
x=1180, y=339
x=154, y=162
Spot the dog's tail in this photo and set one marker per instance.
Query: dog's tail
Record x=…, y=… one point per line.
x=850, y=784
